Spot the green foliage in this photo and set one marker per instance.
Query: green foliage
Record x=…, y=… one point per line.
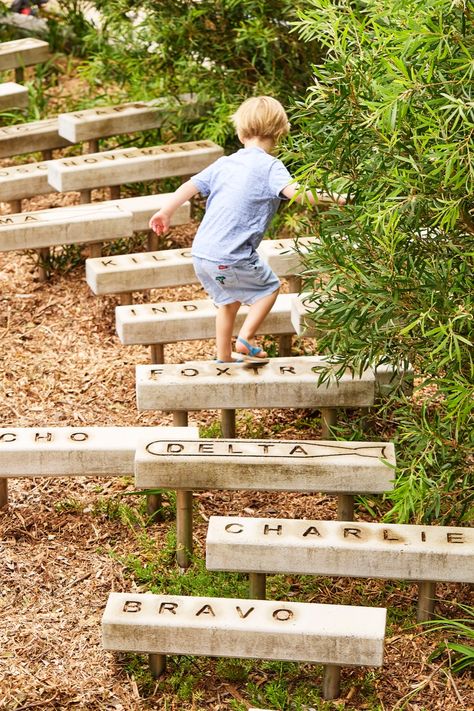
x=389, y=119
x=222, y=51
x=461, y=638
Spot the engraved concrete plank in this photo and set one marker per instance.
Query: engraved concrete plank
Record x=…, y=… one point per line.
x=250, y=629
x=128, y=165
x=270, y=465
x=144, y=206
x=144, y=270
x=23, y=53
x=285, y=254
x=167, y=322
x=359, y=550
x=284, y=382
x=30, y=137
x=66, y=225
x=302, y=306
x=75, y=451
x=154, y=270
x=13, y=95
x=102, y=121
x=21, y=181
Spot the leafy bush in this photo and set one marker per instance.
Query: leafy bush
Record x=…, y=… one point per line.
x=224, y=51
x=389, y=118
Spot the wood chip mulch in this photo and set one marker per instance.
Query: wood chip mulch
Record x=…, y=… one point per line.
x=62, y=550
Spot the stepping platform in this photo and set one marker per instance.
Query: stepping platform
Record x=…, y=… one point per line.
x=27, y=452
x=249, y=629
x=75, y=451
x=21, y=181
x=13, y=96
x=168, y=322
x=301, y=309
x=186, y=464
x=67, y=225
x=31, y=137
x=173, y=267
x=129, y=165
x=44, y=135
x=360, y=550
x=284, y=255
x=103, y=121
x=23, y=53
x=104, y=221
x=265, y=465
x=284, y=382
x=357, y=550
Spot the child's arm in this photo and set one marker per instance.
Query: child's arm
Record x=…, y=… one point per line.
x=160, y=221
x=321, y=198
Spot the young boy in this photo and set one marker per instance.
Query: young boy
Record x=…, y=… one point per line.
x=244, y=191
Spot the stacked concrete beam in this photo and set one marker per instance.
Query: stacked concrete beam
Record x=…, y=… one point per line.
x=21, y=53
x=81, y=224
x=102, y=121
x=31, y=137
x=332, y=635
x=27, y=452
x=359, y=550
x=168, y=322
x=13, y=96
x=129, y=165
x=187, y=464
x=173, y=267
x=22, y=181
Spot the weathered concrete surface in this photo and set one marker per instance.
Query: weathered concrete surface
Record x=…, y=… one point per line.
x=67, y=225
x=170, y=267
x=22, y=181
x=285, y=254
x=271, y=465
x=30, y=137
x=359, y=550
x=23, y=53
x=102, y=121
x=142, y=208
x=129, y=165
x=75, y=451
x=167, y=322
x=251, y=629
x=144, y=270
x=12, y=96
x=283, y=382
x=302, y=306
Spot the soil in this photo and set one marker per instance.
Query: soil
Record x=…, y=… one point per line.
x=63, y=541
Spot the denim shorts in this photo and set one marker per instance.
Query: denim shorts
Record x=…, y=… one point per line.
x=246, y=281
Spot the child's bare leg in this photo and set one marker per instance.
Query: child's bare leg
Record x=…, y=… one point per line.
x=254, y=319
x=225, y=320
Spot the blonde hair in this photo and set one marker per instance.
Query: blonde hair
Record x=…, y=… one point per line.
x=261, y=117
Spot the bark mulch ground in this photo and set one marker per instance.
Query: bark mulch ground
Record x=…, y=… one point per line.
x=65, y=543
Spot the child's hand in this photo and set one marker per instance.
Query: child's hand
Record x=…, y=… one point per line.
x=159, y=222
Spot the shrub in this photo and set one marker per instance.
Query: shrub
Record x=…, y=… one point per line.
x=389, y=117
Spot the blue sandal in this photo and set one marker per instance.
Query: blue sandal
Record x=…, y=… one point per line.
x=253, y=351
